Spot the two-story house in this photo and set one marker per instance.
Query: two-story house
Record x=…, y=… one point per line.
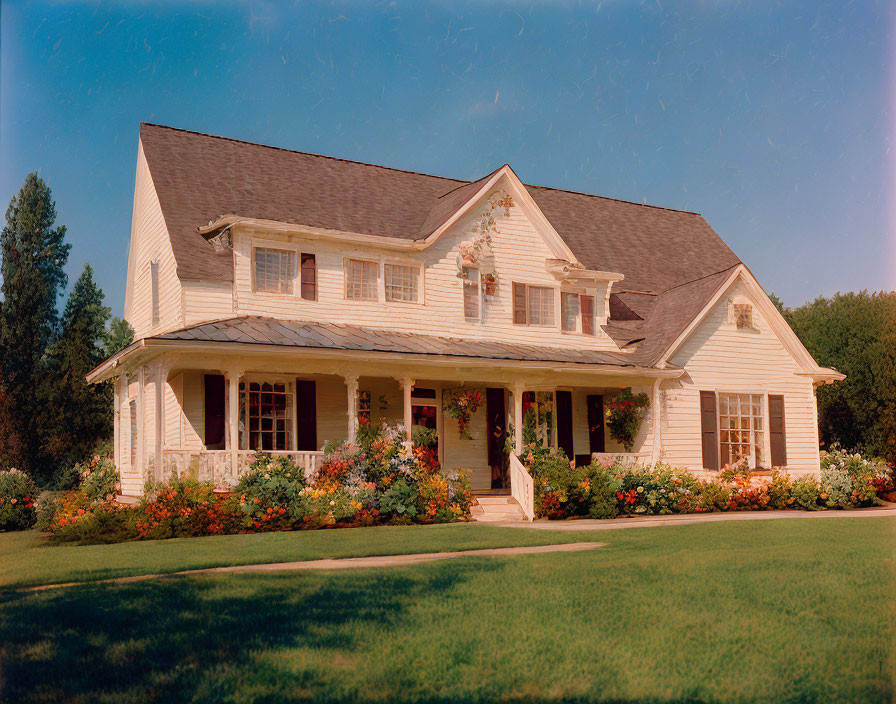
x=280, y=299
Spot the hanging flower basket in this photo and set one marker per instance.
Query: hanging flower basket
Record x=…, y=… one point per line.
x=625, y=413
x=461, y=403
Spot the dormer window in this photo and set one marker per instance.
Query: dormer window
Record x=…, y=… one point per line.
x=577, y=313
x=275, y=271
x=472, y=293
x=743, y=316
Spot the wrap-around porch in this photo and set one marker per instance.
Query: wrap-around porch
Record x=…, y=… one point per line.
x=208, y=415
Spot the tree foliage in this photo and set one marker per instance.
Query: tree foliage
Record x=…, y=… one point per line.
x=856, y=334
x=34, y=253
x=119, y=335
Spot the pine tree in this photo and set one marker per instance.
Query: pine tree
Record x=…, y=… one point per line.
x=119, y=335
x=82, y=412
x=33, y=255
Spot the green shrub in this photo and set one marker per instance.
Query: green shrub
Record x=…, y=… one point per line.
x=713, y=496
x=780, y=491
x=850, y=480
x=806, y=492
x=17, y=499
x=603, y=489
x=424, y=437
x=400, y=500
x=99, y=478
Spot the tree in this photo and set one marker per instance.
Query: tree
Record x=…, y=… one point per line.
x=33, y=254
x=856, y=334
x=81, y=413
x=119, y=335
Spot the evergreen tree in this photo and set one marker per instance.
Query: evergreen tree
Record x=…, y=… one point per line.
x=119, y=335
x=82, y=412
x=33, y=254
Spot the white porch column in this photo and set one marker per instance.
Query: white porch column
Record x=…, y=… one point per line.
x=160, y=380
x=119, y=384
x=351, y=387
x=656, y=420
x=232, y=417
x=518, y=418
x=407, y=385
x=141, y=424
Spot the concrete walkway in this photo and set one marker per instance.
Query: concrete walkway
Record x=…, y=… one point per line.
x=337, y=564
x=888, y=509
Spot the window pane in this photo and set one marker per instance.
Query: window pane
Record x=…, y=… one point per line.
x=269, y=413
x=570, y=312
x=361, y=279
x=275, y=270
x=401, y=282
x=472, y=297
x=541, y=305
x=743, y=414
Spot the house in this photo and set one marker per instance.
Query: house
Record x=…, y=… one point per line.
x=281, y=299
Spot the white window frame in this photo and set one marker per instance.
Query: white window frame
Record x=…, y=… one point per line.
x=766, y=441
x=553, y=306
x=578, y=293
x=379, y=285
x=479, y=299
x=411, y=264
x=283, y=247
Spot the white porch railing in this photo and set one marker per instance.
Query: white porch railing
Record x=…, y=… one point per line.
x=216, y=465
x=608, y=458
x=522, y=488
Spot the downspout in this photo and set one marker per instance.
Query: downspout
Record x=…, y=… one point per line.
x=656, y=420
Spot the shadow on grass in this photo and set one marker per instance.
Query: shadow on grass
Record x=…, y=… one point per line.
x=215, y=639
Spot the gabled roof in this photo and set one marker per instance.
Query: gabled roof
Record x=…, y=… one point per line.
x=672, y=259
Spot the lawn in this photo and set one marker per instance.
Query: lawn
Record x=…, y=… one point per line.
x=766, y=611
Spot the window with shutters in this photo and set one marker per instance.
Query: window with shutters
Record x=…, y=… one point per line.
x=402, y=282
x=154, y=283
x=577, y=313
x=361, y=279
x=472, y=293
x=266, y=415
x=742, y=428
x=533, y=305
x=274, y=270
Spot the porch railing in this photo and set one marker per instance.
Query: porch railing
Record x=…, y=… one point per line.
x=608, y=458
x=522, y=488
x=216, y=465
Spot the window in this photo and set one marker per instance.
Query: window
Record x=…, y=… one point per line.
x=309, y=277
x=741, y=424
x=361, y=278
x=472, y=294
x=743, y=315
x=538, y=416
x=266, y=416
x=364, y=407
x=541, y=305
x=154, y=280
x=587, y=314
x=401, y=282
x=569, y=312
x=275, y=270
x=533, y=305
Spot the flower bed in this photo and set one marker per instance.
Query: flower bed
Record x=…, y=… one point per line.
x=380, y=481
x=563, y=491
x=17, y=495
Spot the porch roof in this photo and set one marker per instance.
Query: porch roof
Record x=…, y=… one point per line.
x=267, y=332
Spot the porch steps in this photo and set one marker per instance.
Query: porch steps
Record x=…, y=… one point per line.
x=499, y=508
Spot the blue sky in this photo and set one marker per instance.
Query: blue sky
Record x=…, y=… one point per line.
x=772, y=119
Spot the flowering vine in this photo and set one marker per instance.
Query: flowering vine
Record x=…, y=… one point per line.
x=461, y=403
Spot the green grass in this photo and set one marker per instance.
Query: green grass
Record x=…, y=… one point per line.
x=764, y=611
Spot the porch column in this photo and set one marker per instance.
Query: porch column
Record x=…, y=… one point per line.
x=116, y=421
x=655, y=420
x=407, y=384
x=351, y=387
x=232, y=417
x=160, y=380
x=518, y=418
x=141, y=423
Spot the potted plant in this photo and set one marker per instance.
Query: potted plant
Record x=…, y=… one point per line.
x=625, y=413
x=461, y=403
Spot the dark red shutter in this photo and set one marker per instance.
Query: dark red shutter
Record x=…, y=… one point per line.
x=496, y=413
x=777, y=435
x=519, y=304
x=564, y=423
x=214, y=412
x=708, y=430
x=306, y=415
x=309, y=277
x=587, y=314
x=596, y=423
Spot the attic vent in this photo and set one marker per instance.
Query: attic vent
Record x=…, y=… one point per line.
x=222, y=242
x=743, y=315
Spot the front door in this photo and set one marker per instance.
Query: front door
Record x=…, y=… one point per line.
x=596, y=423
x=564, y=422
x=496, y=417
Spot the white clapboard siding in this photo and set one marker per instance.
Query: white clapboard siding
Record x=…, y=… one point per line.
x=719, y=357
x=150, y=242
x=206, y=300
x=519, y=251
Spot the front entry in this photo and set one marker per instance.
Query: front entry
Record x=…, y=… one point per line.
x=496, y=417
